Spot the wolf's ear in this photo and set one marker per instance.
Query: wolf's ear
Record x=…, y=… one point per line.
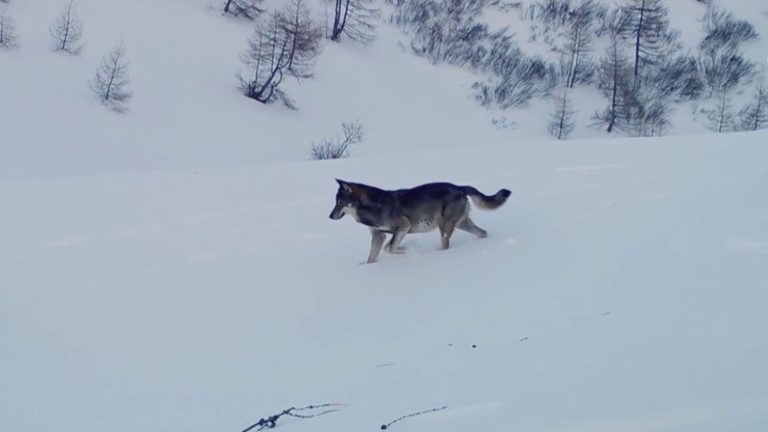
x=344, y=185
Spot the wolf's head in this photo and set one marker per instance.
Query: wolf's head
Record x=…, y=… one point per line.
x=346, y=200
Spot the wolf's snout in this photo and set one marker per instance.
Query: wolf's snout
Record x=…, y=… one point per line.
x=335, y=214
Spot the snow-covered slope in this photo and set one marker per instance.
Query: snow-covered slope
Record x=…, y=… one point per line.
x=622, y=288
x=187, y=111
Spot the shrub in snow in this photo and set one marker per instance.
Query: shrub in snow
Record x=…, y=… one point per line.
x=555, y=14
x=447, y=31
x=721, y=61
x=722, y=28
x=110, y=83
x=731, y=31
x=67, y=31
x=249, y=9
x=561, y=121
x=8, y=37
x=680, y=75
x=754, y=116
x=721, y=118
x=516, y=78
x=444, y=30
x=285, y=43
x=339, y=147
x=724, y=67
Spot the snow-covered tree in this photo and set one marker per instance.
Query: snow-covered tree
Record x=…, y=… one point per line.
x=614, y=78
x=110, y=83
x=721, y=118
x=580, y=36
x=67, y=31
x=754, y=116
x=355, y=19
x=8, y=36
x=646, y=24
x=561, y=122
x=724, y=67
x=249, y=9
x=286, y=42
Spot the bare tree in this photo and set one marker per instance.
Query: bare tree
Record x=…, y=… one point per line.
x=614, y=77
x=67, y=31
x=110, y=84
x=561, y=121
x=721, y=60
x=305, y=38
x=286, y=42
x=355, y=19
x=8, y=37
x=724, y=67
x=580, y=35
x=339, y=147
x=646, y=23
x=754, y=116
x=721, y=118
x=249, y=9
x=722, y=27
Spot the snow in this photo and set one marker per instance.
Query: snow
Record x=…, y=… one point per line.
x=622, y=287
x=174, y=268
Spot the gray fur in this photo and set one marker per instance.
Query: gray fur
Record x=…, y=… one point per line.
x=420, y=209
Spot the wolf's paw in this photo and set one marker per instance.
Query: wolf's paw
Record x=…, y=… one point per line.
x=398, y=250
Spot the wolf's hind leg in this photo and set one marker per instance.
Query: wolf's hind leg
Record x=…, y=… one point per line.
x=377, y=241
x=470, y=227
x=446, y=231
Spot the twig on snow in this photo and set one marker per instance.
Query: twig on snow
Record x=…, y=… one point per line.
x=271, y=421
x=386, y=426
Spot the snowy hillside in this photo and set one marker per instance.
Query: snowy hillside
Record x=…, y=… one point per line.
x=622, y=287
x=188, y=112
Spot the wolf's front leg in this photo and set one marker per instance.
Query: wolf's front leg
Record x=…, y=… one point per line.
x=377, y=241
x=402, y=229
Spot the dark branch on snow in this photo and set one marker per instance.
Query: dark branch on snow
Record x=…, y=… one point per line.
x=387, y=425
x=271, y=421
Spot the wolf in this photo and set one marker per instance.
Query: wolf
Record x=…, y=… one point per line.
x=419, y=209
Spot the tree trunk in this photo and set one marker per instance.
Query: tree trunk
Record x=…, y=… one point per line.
x=637, y=39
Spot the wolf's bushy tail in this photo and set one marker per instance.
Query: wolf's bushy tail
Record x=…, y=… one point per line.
x=487, y=202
